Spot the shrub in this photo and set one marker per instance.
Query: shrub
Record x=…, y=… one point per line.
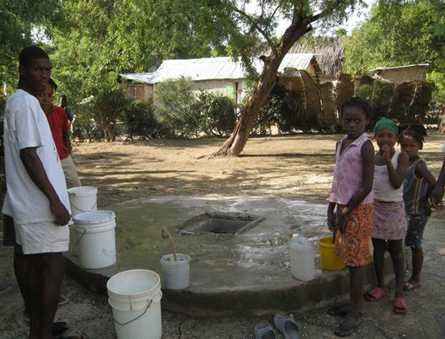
x=84, y=126
x=140, y=121
x=177, y=108
x=217, y=114
x=108, y=108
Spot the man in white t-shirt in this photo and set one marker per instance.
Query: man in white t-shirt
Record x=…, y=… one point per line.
x=36, y=196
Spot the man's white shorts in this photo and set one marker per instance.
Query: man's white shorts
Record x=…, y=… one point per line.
x=44, y=237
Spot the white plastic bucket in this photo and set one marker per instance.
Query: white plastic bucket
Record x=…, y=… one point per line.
x=82, y=199
x=175, y=274
x=135, y=298
x=96, y=241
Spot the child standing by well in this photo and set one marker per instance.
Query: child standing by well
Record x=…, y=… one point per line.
x=389, y=212
x=417, y=188
x=350, y=211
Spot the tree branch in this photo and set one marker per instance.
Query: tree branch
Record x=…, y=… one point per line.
x=324, y=13
x=275, y=12
x=256, y=25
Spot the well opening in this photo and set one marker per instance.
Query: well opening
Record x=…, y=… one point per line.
x=220, y=223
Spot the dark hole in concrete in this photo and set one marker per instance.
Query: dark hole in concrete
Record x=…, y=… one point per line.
x=233, y=223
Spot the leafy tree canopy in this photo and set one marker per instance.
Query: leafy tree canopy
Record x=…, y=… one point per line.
x=19, y=19
x=397, y=33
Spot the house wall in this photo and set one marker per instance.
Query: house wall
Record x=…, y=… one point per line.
x=403, y=74
x=234, y=89
x=143, y=92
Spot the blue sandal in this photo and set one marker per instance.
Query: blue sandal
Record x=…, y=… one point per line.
x=264, y=330
x=287, y=326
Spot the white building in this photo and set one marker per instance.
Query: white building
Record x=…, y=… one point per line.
x=221, y=75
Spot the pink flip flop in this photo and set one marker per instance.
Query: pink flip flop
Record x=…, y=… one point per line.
x=399, y=306
x=375, y=294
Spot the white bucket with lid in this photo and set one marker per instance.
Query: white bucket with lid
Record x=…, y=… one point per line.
x=175, y=274
x=135, y=298
x=95, y=239
x=82, y=199
x=302, y=259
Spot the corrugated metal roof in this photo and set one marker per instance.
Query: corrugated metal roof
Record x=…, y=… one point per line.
x=399, y=67
x=212, y=68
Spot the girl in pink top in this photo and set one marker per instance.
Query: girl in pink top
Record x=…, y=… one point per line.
x=350, y=211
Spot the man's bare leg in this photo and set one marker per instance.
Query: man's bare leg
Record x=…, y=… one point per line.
x=20, y=270
x=46, y=279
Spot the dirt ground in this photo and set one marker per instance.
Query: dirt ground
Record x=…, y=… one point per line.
x=297, y=166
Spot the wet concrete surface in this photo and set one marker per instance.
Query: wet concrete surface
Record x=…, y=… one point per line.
x=230, y=261
x=89, y=313
x=230, y=273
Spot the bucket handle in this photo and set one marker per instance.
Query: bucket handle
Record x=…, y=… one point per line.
x=133, y=320
x=84, y=231
x=94, y=207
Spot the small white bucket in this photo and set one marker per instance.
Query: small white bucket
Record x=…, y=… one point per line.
x=135, y=298
x=175, y=274
x=83, y=199
x=96, y=240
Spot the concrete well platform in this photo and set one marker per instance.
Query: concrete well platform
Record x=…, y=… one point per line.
x=244, y=273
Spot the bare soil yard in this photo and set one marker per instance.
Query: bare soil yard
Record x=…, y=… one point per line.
x=297, y=166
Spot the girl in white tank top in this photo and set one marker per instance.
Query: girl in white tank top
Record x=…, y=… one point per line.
x=389, y=211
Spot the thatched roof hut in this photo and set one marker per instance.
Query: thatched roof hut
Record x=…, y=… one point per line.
x=329, y=53
x=328, y=115
x=343, y=89
x=400, y=74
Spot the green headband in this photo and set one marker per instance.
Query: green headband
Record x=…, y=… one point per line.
x=383, y=123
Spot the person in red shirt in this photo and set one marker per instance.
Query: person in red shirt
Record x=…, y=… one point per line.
x=60, y=129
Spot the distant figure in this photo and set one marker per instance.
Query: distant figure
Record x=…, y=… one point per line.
x=350, y=211
x=60, y=128
x=417, y=188
x=389, y=212
x=68, y=111
x=438, y=191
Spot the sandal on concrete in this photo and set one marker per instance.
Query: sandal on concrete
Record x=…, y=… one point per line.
x=399, y=306
x=288, y=327
x=375, y=294
x=63, y=300
x=341, y=310
x=264, y=330
x=347, y=327
x=411, y=286
x=58, y=328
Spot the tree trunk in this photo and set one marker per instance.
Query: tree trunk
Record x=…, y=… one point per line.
x=234, y=145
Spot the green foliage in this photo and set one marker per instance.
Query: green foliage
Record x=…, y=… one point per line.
x=140, y=121
x=438, y=79
x=18, y=18
x=92, y=42
x=276, y=111
x=188, y=114
x=177, y=107
x=84, y=126
x=285, y=109
x=108, y=108
x=365, y=92
x=217, y=114
x=381, y=98
x=399, y=33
